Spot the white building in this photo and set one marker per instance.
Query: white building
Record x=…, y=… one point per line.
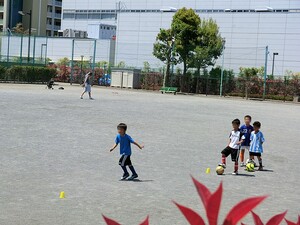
x=248, y=26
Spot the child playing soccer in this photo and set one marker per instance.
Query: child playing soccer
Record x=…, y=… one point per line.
x=125, y=151
x=246, y=130
x=236, y=138
x=257, y=139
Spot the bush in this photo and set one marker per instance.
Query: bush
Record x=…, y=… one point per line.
x=2, y=72
x=272, y=97
x=29, y=74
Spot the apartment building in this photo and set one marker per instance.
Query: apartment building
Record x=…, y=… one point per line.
x=45, y=15
x=54, y=12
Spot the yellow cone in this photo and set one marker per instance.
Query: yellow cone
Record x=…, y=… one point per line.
x=208, y=170
x=62, y=194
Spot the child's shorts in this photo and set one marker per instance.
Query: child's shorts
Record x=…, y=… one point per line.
x=245, y=147
x=87, y=88
x=231, y=151
x=255, y=153
x=125, y=160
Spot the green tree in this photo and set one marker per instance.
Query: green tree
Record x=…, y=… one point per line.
x=162, y=49
x=63, y=61
x=146, y=67
x=246, y=74
x=209, y=46
x=185, y=26
x=121, y=64
x=19, y=29
x=102, y=64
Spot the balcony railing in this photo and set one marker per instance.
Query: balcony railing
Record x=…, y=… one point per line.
x=57, y=15
x=58, y=3
x=49, y=27
x=56, y=27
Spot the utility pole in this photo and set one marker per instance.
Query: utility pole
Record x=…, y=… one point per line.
x=266, y=70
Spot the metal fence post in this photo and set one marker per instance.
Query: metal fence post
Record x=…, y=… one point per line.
x=222, y=71
x=46, y=50
x=8, y=46
x=33, y=54
x=21, y=50
x=266, y=70
x=72, y=63
x=94, y=59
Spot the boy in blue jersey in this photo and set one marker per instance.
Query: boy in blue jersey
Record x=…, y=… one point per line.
x=125, y=151
x=246, y=130
x=257, y=139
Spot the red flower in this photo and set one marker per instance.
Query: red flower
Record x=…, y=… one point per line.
x=212, y=202
x=112, y=222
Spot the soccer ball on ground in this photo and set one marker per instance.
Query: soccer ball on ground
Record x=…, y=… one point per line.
x=220, y=170
x=250, y=167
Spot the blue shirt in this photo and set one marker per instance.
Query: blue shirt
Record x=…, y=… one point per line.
x=246, y=131
x=257, y=139
x=125, y=144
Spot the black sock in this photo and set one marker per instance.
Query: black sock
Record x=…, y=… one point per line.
x=132, y=170
x=124, y=169
x=260, y=163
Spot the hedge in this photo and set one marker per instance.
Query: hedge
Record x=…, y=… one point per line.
x=272, y=97
x=28, y=74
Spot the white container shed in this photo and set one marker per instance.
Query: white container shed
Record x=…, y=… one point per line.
x=126, y=78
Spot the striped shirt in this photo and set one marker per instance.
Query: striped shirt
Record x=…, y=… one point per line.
x=257, y=139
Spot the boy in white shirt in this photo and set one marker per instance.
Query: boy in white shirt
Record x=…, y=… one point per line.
x=235, y=139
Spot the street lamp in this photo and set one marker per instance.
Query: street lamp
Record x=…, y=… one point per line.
x=29, y=33
x=274, y=53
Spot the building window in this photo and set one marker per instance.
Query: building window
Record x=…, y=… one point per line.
x=68, y=15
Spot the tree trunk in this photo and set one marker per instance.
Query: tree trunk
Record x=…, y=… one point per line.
x=182, y=83
x=167, y=82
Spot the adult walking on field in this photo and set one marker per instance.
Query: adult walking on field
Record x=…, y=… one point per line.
x=87, y=85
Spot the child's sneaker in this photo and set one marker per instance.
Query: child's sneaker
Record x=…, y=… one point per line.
x=125, y=176
x=235, y=173
x=133, y=176
x=223, y=165
x=242, y=164
x=260, y=168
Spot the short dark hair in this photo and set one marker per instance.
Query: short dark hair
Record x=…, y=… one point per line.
x=122, y=126
x=248, y=116
x=257, y=124
x=236, y=121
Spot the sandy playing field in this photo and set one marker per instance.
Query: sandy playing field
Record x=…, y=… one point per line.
x=52, y=141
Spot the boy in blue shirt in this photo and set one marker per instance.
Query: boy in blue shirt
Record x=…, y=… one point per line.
x=257, y=140
x=125, y=151
x=246, y=130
